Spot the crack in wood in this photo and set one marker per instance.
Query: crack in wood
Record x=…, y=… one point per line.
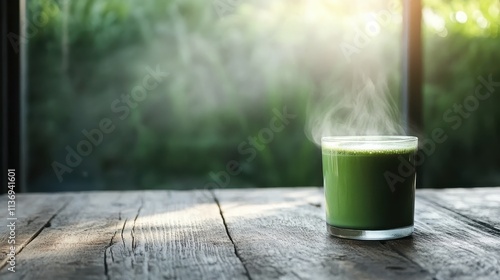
x=121, y=234
x=133, y=225
x=247, y=273
x=111, y=253
x=132, y=234
x=35, y=235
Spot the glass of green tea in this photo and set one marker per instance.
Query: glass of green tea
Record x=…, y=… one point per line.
x=369, y=186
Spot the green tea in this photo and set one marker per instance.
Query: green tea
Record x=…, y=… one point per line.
x=359, y=190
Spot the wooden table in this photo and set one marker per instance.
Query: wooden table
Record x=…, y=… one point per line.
x=242, y=234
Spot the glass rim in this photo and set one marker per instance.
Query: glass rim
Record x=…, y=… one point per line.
x=370, y=139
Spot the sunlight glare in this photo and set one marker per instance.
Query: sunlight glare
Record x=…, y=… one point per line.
x=482, y=22
x=433, y=20
x=461, y=16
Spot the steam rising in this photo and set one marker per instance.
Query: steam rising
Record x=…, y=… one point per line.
x=367, y=109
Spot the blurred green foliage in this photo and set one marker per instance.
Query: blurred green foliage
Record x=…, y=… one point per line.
x=459, y=49
x=227, y=73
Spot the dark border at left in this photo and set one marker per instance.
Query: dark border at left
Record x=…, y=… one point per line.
x=10, y=90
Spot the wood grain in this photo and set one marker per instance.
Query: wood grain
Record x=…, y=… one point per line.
x=447, y=246
x=244, y=234
x=133, y=235
x=281, y=233
x=480, y=206
x=72, y=246
x=176, y=235
x=33, y=213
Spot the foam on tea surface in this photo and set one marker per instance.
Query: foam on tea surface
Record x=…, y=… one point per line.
x=369, y=144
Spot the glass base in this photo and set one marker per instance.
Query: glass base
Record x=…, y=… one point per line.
x=360, y=234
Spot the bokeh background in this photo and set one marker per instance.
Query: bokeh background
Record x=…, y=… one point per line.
x=231, y=65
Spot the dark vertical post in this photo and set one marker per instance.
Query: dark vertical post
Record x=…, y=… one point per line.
x=10, y=91
x=412, y=66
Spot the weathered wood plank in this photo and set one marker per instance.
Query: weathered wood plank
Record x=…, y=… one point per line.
x=449, y=247
x=280, y=233
x=73, y=245
x=176, y=235
x=277, y=233
x=33, y=213
x=480, y=205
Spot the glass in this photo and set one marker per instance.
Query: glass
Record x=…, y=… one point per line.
x=88, y=67
x=369, y=186
x=461, y=104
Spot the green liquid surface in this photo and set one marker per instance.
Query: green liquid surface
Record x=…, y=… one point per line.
x=358, y=195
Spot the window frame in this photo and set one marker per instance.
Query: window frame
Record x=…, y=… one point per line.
x=10, y=91
x=412, y=67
